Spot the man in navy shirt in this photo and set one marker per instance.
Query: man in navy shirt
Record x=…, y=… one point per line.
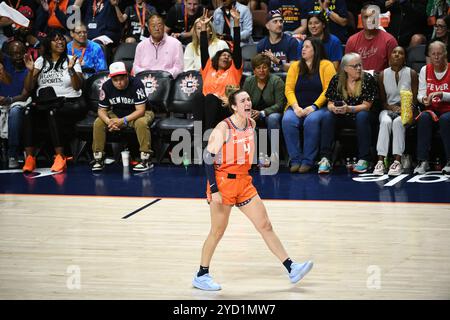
x=122, y=103
x=281, y=48
x=294, y=13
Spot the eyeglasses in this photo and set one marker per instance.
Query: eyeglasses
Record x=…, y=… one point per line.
x=272, y=12
x=355, y=66
x=80, y=32
x=440, y=26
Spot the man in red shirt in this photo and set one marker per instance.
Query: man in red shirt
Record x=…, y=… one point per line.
x=372, y=44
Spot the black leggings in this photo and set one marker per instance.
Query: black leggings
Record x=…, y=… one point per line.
x=211, y=113
x=58, y=121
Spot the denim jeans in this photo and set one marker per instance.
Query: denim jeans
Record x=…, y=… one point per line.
x=273, y=122
x=424, y=134
x=15, y=124
x=318, y=130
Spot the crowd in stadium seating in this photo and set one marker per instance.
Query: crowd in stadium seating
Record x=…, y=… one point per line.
x=314, y=69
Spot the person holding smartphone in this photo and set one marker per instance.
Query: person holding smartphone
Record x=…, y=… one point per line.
x=350, y=97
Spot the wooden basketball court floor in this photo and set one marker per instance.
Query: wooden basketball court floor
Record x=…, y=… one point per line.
x=81, y=247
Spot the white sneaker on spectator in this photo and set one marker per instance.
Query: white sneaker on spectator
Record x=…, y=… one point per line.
x=379, y=168
x=422, y=167
x=395, y=169
x=446, y=169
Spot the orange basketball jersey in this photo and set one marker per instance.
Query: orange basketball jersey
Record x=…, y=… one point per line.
x=237, y=152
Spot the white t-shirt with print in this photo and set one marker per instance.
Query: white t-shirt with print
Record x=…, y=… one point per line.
x=58, y=79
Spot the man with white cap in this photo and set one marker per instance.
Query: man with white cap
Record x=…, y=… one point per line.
x=122, y=103
x=281, y=48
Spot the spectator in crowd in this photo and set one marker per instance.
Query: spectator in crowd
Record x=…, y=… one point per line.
x=135, y=15
x=14, y=96
x=393, y=79
x=192, y=59
x=160, y=51
x=181, y=18
x=58, y=77
x=101, y=21
x=90, y=54
x=294, y=13
x=53, y=15
x=408, y=21
x=372, y=44
x=122, y=104
x=441, y=33
x=318, y=27
x=306, y=83
x=335, y=13
x=350, y=97
x=281, y=48
x=223, y=22
x=26, y=35
x=221, y=74
x=434, y=94
x=267, y=93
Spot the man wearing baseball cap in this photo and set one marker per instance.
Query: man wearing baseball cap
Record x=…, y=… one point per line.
x=281, y=48
x=122, y=103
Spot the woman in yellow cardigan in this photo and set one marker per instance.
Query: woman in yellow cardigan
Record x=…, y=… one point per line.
x=306, y=83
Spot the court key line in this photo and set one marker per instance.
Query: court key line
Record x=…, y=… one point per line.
x=141, y=208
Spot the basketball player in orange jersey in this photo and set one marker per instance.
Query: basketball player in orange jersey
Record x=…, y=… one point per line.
x=228, y=159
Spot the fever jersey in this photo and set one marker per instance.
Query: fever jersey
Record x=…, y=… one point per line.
x=237, y=152
x=435, y=85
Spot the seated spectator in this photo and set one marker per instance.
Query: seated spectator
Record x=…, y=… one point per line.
x=122, y=104
x=90, y=54
x=350, y=97
x=393, y=79
x=135, y=16
x=372, y=44
x=160, y=51
x=14, y=96
x=181, y=18
x=101, y=21
x=408, y=21
x=53, y=15
x=441, y=33
x=281, y=48
x=318, y=27
x=223, y=22
x=294, y=13
x=434, y=93
x=221, y=74
x=58, y=78
x=306, y=83
x=192, y=59
x=267, y=93
x=335, y=14
x=26, y=35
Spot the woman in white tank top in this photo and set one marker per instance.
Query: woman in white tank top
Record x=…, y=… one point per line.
x=393, y=79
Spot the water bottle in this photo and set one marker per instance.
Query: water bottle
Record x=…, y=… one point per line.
x=186, y=161
x=261, y=160
x=437, y=165
x=348, y=164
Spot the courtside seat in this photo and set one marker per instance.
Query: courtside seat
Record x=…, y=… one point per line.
x=125, y=52
x=185, y=96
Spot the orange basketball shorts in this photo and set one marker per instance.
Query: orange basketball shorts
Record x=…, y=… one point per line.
x=236, y=189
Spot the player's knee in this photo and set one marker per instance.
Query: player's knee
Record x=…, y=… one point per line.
x=264, y=226
x=217, y=233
